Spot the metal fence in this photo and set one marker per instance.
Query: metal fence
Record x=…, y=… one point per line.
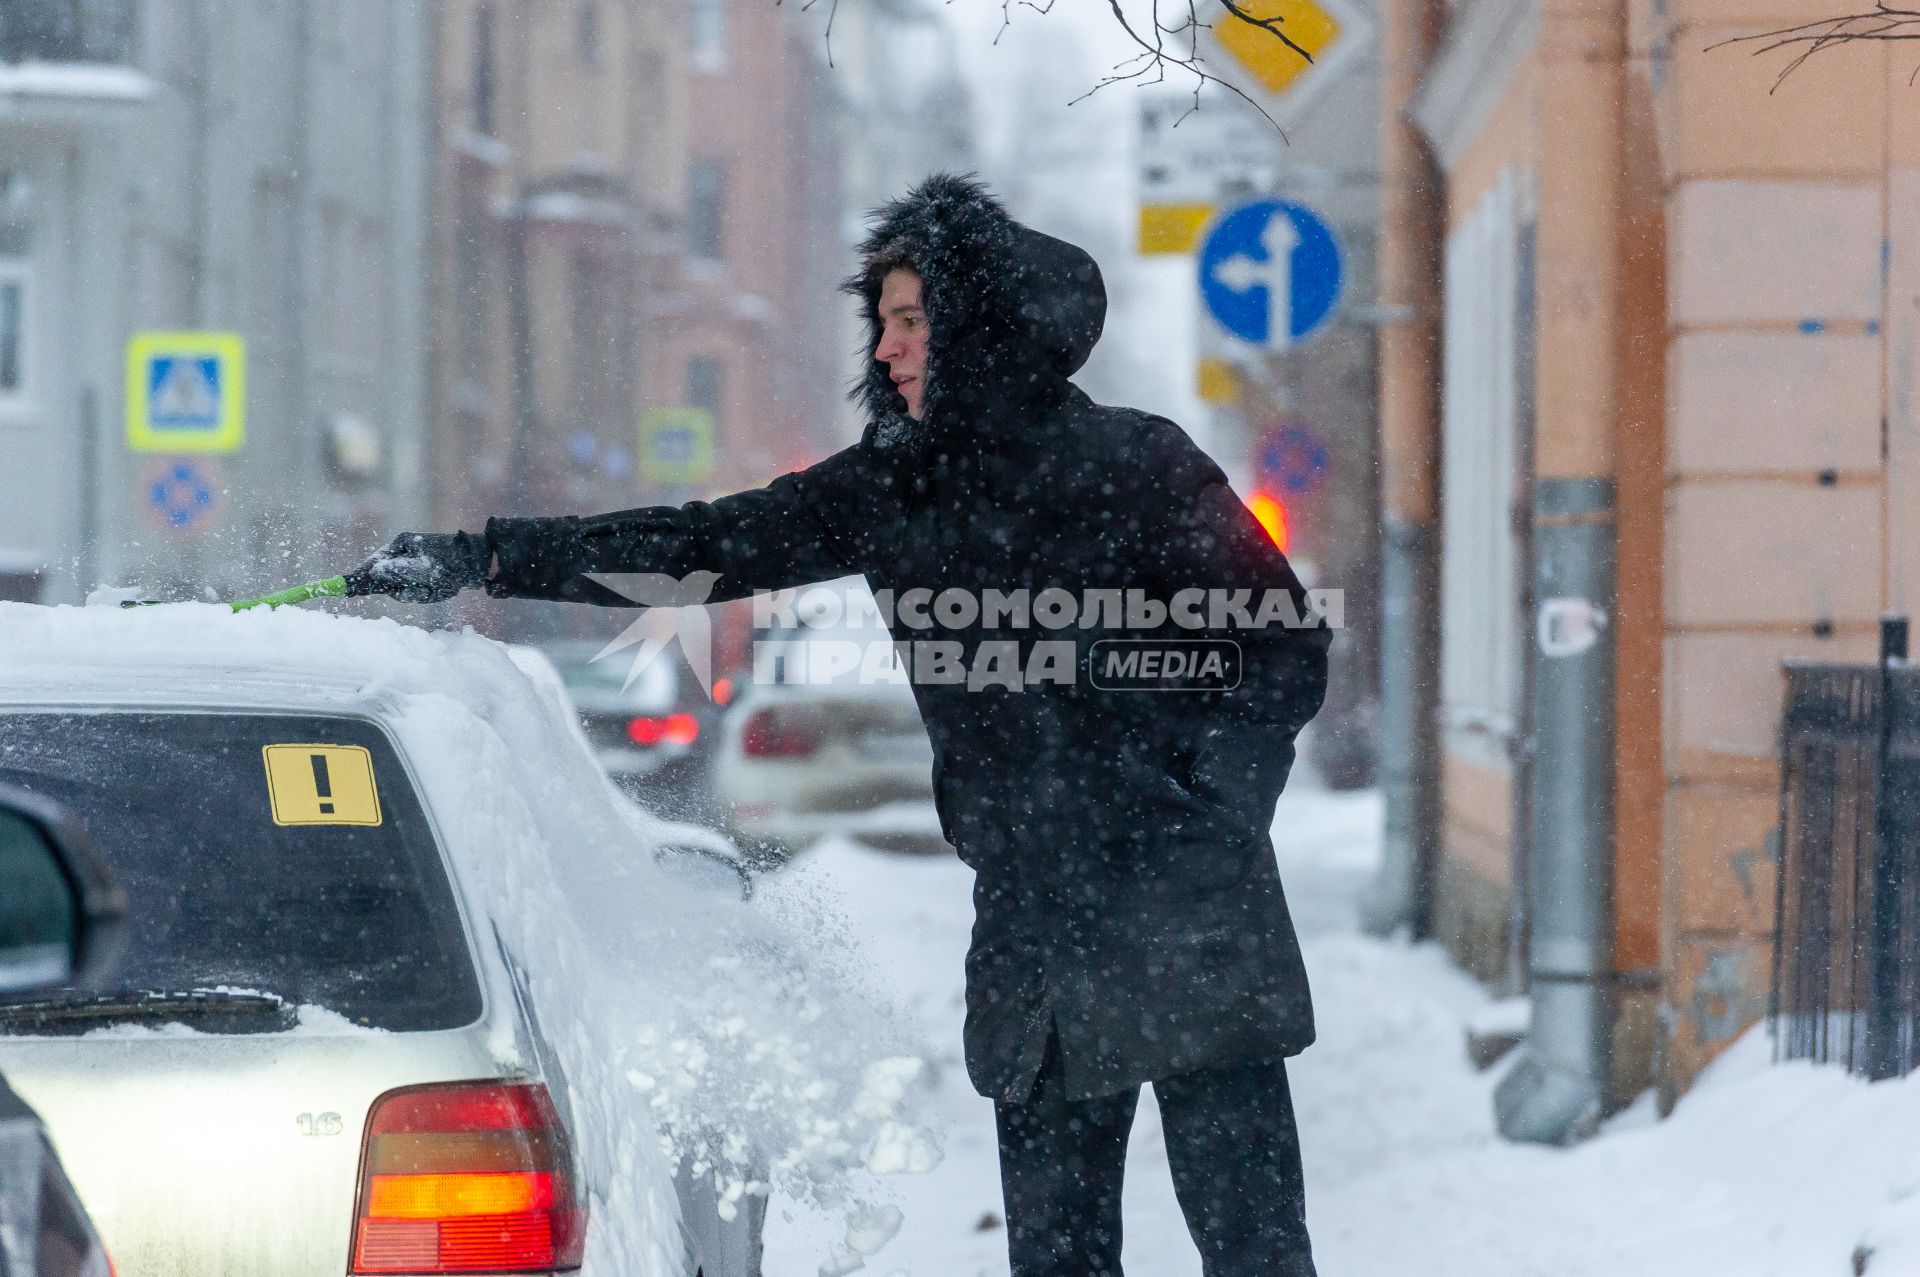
x=1846, y=950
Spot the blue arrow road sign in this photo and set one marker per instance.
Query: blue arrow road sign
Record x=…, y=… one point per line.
x=1270, y=273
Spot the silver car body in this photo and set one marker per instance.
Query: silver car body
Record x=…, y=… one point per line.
x=211, y=1154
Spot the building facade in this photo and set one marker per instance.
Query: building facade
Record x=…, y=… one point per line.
x=194, y=165
x=1666, y=445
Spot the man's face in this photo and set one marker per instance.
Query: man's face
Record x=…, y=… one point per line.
x=903, y=337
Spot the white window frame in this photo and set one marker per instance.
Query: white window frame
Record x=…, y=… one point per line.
x=1481, y=591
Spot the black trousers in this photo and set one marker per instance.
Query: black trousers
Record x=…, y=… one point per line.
x=1235, y=1156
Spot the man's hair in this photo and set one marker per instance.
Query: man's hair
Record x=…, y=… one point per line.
x=891, y=256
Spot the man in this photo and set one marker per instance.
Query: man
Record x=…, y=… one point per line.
x=1129, y=920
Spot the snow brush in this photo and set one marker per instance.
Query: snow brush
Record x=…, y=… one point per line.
x=334, y=587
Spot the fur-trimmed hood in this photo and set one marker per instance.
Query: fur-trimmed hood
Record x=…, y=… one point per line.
x=1011, y=313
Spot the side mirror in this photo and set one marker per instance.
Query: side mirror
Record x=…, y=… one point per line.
x=62, y=916
x=705, y=868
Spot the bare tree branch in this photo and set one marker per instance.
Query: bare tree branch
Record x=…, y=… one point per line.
x=1883, y=22
x=1173, y=44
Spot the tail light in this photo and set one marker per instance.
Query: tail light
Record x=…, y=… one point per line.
x=467, y=1177
x=771, y=735
x=669, y=729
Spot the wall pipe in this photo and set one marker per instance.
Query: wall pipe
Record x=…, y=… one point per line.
x=1558, y=1090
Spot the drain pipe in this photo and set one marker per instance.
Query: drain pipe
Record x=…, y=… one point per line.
x=1411, y=250
x=1558, y=1089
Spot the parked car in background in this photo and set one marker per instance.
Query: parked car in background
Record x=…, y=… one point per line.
x=61, y=919
x=654, y=738
x=367, y=1086
x=816, y=745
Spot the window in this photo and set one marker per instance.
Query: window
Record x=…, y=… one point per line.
x=164, y=40
x=483, y=85
x=1481, y=476
x=706, y=384
x=163, y=283
x=706, y=209
x=14, y=294
x=472, y=281
x=359, y=919
x=276, y=210
x=366, y=301
x=596, y=311
x=709, y=35
x=589, y=35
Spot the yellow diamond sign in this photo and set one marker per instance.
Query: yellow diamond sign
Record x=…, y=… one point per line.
x=1262, y=53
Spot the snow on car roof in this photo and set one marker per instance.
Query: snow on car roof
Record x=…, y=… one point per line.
x=185, y=652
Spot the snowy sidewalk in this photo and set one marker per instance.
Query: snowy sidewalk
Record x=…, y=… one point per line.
x=1761, y=1171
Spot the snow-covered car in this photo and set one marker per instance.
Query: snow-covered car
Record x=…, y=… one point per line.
x=653, y=734
x=827, y=738
x=340, y=1039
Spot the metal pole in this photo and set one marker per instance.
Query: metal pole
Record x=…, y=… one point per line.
x=1411, y=249
x=1883, y=933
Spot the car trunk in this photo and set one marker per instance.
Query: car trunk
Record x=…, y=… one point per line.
x=218, y=1154
x=294, y=950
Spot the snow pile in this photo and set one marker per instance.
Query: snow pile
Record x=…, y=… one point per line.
x=693, y=1028
x=1762, y=1170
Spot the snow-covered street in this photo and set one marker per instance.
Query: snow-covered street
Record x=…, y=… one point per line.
x=1762, y=1170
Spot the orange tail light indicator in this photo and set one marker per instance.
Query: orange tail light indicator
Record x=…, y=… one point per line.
x=467, y=1177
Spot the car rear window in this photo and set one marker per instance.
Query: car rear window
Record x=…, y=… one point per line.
x=286, y=854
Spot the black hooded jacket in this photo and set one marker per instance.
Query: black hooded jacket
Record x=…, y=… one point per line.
x=1126, y=892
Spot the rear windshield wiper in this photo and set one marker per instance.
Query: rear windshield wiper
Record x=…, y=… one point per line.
x=216, y=1010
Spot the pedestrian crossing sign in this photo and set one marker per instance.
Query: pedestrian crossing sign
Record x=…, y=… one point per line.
x=186, y=392
x=676, y=445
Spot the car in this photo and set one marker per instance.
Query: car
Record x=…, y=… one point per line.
x=326, y=1049
x=653, y=734
x=61, y=919
x=824, y=740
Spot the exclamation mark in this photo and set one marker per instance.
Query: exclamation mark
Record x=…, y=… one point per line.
x=321, y=785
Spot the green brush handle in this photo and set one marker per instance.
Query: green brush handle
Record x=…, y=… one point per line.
x=334, y=587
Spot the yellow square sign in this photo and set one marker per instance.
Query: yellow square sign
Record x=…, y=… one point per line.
x=321, y=785
x=186, y=392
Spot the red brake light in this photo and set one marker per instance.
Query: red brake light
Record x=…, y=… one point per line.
x=672, y=729
x=467, y=1177
x=768, y=735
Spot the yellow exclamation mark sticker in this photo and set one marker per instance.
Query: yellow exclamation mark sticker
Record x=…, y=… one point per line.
x=321, y=785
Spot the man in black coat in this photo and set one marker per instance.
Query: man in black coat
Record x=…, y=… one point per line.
x=1129, y=920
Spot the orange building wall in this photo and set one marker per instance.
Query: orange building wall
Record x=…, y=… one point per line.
x=1776, y=212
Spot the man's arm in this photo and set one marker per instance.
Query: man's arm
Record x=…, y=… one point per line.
x=1212, y=541
x=799, y=529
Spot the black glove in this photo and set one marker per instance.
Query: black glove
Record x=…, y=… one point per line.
x=424, y=567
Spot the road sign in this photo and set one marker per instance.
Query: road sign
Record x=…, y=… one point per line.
x=1259, y=64
x=676, y=445
x=181, y=494
x=1294, y=458
x=1270, y=273
x=186, y=392
x=1191, y=156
